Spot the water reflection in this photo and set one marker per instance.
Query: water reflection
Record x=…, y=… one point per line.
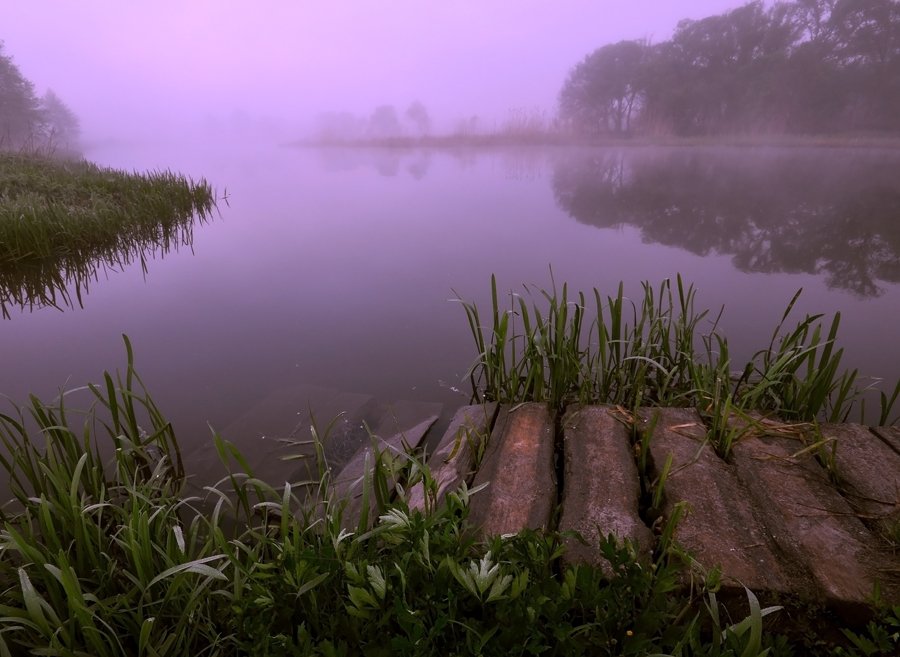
x=831, y=212
x=387, y=162
x=525, y=164
x=62, y=282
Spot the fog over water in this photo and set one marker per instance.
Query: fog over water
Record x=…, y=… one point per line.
x=331, y=271
x=135, y=69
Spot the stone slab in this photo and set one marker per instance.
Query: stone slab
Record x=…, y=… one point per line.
x=349, y=483
x=453, y=461
x=890, y=436
x=868, y=469
x=722, y=527
x=352, y=430
x=810, y=521
x=519, y=468
x=601, y=490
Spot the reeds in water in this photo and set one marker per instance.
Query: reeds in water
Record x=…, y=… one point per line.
x=657, y=350
x=64, y=222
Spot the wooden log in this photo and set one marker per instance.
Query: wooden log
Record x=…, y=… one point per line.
x=351, y=427
x=601, y=490
x=723, y=527
x=519, y=468
x=810, y=521
x=349, y=484
x=868, y=469
x=890, y=436
x=453, y=462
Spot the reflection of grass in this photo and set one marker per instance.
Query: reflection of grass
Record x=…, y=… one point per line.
x=60, y=222
x=652, y=351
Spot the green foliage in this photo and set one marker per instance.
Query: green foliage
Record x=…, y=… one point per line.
x=880, y=639
x=658, y=351
x=627, y=355
x=61, y=222
x=104, y=551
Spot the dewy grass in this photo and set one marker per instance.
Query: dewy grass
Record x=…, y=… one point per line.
x=61, y=222
x=113, y=558
x=104, y=551
x=657, y=350
x=627, y=354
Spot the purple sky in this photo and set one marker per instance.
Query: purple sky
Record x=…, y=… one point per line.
x=122, y=65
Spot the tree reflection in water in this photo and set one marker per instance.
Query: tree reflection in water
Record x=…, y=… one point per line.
x=831, y=212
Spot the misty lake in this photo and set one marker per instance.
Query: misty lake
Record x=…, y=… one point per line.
x=329, y=276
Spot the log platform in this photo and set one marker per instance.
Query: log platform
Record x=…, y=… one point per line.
x=796, y=512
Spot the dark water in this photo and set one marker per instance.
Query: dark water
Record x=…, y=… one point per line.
x=329, y=275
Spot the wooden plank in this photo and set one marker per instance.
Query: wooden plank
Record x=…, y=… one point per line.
x=722, y=527
x=453, y=462
x=890, y=436
x=868, y=469
x=810, y=521
x=348, y=484
x=601, y=489
x=519, y=468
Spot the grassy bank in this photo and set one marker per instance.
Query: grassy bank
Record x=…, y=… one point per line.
x=62, y=221
x=106, y=549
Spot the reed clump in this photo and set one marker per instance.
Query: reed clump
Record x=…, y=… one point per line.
x=659, y=350
x=62, y=222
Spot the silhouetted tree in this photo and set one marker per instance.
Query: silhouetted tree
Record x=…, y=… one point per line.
x=867, y=46
x=812, y=19
x=602, y=93
x=718, y=69
x=418, y=116
x=384, y=122
x=20, y=110
x=61, y=126
x=801, y=66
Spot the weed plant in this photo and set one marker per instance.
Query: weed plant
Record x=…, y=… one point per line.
x=62, y=222
x=104, y=551
x=658, y=350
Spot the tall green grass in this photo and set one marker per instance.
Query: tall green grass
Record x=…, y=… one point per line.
x=105, y=550
x=658, y=350
x=64, y=222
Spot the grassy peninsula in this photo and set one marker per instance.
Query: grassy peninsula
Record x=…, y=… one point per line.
x=63, y=220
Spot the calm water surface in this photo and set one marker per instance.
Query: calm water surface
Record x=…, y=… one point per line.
x=331, y=272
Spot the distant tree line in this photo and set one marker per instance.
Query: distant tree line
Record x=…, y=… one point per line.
x=385, y=122
x=31, y=122
x=803, y=66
